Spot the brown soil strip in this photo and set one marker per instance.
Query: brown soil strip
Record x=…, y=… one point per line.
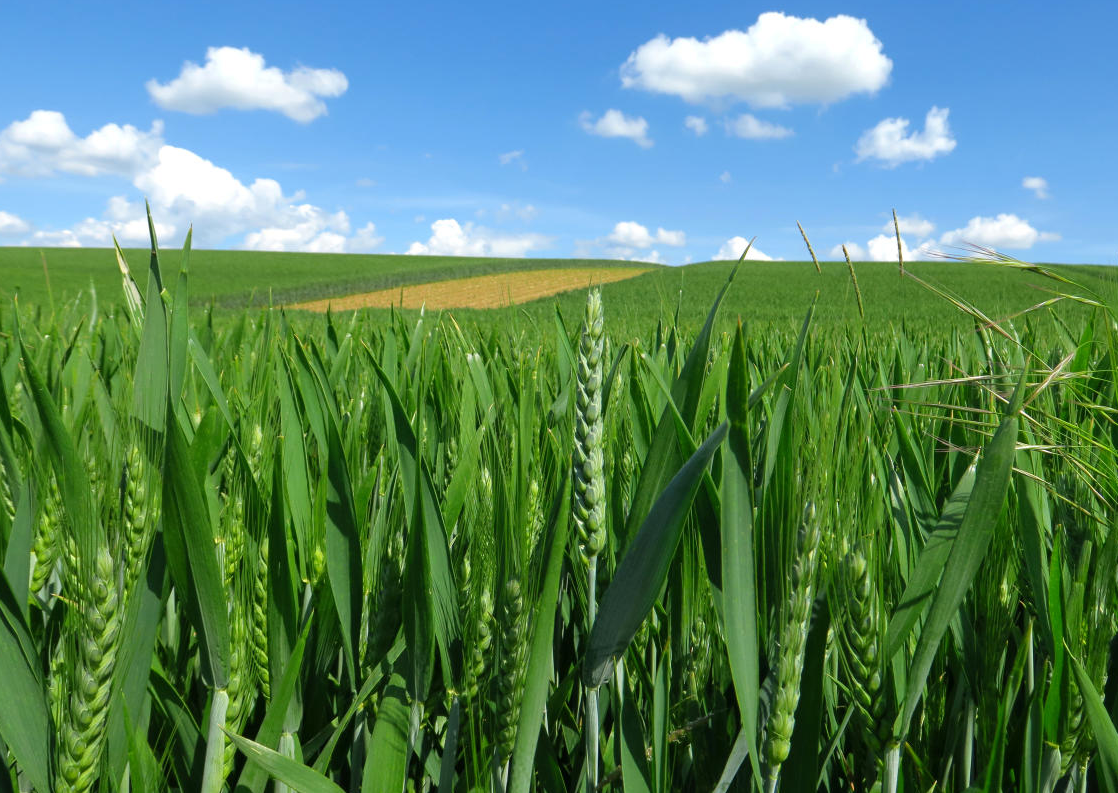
x=483, y=291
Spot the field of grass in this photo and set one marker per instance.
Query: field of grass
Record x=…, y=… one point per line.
x=632, y=545
x=771, y=293
x=236, y=279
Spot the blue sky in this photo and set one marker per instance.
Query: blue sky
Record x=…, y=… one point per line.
x=564, y=130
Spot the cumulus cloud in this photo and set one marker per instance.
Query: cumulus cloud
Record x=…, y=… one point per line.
x=883, y=248
x=1000, y=232
x=629, y=234
x=615, y=124
x=753, y=128
x=314, y=231
x=184, y=188
x=913, y=224
x=696, y=124
x=1003, y=231
x=44, y=145
x=1038, y=184
x=891, y=143
x=856, y=251
x=779, y=61
x=13, y=224
x=238, y=78
x=731, y=251
x=450, y=238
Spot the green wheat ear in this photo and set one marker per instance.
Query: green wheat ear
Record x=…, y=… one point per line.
x=510, y=688
x=589, y=512
x=793, y=644
x=83, y=723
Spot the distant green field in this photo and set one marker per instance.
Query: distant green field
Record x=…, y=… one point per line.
x=769, y=293
x=235, y=279
x=778, y=294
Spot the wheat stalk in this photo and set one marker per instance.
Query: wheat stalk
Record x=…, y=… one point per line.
x=792, y=645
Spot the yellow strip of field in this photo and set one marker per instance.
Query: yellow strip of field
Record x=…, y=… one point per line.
x=482, y=291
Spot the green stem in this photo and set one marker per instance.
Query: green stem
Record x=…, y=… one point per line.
x=892, y=767
x=591, y=732
x=287, y=749
x=213, y=777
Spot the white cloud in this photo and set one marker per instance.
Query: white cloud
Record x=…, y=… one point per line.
x=856, y=251
x=239, y=79
x=779, y=61
x=364, y=239
x=13, y=224
x=449, y=238
x=696, y=124
x=913, y=224
x=883, y=248
x=731, y=251
x=725, y=177
x=629, y=234
x=129, y=228
x=753, y=128
x=510, y=157
x=1038, y=184
x=43, y=145
x=184, y=188
x=365, y=181
x=891, y=142
x=633, y=255
x=315, y=231
x=1003, y=231
x=615, y=124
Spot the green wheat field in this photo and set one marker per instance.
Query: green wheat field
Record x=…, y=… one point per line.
x=742, y=527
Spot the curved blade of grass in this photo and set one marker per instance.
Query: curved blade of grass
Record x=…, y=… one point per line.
x=343, y=548
x=929, y=566
x=384, y=667
x=737, y=756
x=641, y=573
x=441, y=588
x=290, y=772
x=739, y=605
x=186, y=522
x=539, y=668
x=635, y=773
x=450, y=746
x=132, y=299
x=24, y=721
x=69, y=468
x=149, y=401
x=967, y=552
x=663, y=458
x=17, y=556
x=253, y=777
x=180, y=327
x=1106, y=737
x=132, y=670
x=417, y=617
x=386, y=763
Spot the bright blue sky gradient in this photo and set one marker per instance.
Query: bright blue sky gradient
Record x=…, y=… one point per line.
x=436, y=94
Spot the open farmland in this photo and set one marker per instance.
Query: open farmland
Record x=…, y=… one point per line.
x=233, y=280
x=481, y=291
x=364, y=555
